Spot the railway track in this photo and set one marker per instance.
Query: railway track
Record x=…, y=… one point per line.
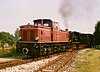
x=53, y=66
x=16, y=62
x=57, y=64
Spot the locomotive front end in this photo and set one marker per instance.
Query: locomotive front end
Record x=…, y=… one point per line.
x=32, y=35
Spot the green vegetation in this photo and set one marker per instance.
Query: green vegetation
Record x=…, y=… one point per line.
x=4, y=52
x=7, y=38
x=16, y=34
x=88, y=60
x=97, y=33
x=9, y=53
x=97, y=47
x=8, y=43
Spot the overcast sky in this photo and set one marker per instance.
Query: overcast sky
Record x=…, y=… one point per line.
x=82, y=16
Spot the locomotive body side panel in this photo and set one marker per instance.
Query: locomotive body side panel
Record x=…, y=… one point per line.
x=55, y=32
x=58, y=34
x=46, y=34
x=64, y=36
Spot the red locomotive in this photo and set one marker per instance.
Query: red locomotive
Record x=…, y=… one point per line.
x=42, y=38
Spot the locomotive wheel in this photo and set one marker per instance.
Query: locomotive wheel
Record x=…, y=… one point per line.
x=25, y=50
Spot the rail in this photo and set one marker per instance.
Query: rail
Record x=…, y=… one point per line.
x=55, y=65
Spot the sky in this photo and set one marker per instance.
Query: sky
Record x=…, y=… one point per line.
x=75, y=15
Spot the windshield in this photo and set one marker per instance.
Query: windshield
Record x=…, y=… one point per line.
x=44, y=22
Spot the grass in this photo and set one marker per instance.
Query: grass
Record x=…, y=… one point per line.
x=98, y=47
x=88, y=60
x=9, y=53
x=4, y=51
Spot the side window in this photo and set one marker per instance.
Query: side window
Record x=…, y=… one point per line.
x=57, y=26
x=47, y=23
x=37, y=23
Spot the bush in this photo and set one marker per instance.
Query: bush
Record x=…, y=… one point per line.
x=12, y=53
x=98, y=47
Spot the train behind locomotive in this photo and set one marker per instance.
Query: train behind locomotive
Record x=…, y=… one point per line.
x=85, y=39
x=41, y=38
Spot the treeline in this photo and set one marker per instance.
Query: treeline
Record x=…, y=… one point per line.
x=8, y=39
x=97, y=33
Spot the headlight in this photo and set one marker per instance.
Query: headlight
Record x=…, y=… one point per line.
x=36, y=38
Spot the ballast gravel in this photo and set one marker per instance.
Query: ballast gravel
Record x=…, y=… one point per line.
x=29, y=67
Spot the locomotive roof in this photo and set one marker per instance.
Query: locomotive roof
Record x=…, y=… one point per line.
x=42, y=19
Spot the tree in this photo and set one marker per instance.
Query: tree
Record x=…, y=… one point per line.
x=5, y=37
x=97, y=33
x=17, y=34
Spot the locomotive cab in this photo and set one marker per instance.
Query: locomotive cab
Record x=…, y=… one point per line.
x=43, y=22
x=44, y=29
